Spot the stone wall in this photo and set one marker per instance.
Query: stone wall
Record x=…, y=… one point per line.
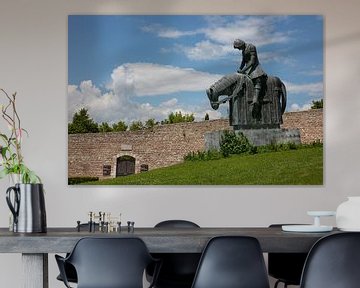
x=163, y=145
x=310, y=124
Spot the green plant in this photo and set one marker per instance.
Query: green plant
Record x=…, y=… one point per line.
x=105, y=127
x=12, y=161
x=316, y=143
x=79, y=180
x=286, y=147
x=178, y=117
x=119, y=126
x=317, y=104
x=136, y=126
x=203, y=155
x=150, y=123
x=232, y=143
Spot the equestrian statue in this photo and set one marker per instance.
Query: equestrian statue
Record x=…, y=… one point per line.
x=256, y=100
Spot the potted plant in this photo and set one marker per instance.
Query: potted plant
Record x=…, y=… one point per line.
x=11, y=159
x=26, y=197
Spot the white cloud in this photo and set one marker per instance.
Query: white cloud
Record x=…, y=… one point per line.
x=133, y=80
x=170, y=103
x=213, y=114
x=313, y=73
x=220, y=33
x=296, y=107
x=258, y=30
x=312, y=89
x=166, y=32
x=146, y=79
x=205, y=50
x=275, y=56
x=315, y=90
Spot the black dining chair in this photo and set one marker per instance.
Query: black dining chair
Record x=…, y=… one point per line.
x=108, y=263
x=333, y=262
x=232, y=262
x=178, y=269
x=286, y=267
x=69, y=269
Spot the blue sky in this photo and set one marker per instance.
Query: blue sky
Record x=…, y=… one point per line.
x=140, y=67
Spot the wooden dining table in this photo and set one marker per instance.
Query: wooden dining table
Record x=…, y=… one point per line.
x=35, y=247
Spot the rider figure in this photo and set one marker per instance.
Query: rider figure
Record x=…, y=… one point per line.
x=250, y=66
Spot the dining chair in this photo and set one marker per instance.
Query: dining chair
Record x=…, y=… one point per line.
x=286, y=267
x=232, y=262
x=333, y=262
x=108, y=263
x=69, y=269
x=178, y=269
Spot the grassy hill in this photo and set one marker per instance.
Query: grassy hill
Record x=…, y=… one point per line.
x=293, y=167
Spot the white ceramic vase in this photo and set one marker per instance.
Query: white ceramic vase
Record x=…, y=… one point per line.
x=15, y=179
x=348, y=214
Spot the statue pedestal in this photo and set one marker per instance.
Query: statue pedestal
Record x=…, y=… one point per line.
x=257, y=137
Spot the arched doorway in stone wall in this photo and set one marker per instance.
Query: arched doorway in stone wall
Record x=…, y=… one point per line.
x=125, y=165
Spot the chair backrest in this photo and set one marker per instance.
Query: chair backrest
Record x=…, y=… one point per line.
x=232, y=262
x=110, y=262
x=333, y=262
x=176, y=224
x=286, y=267
x=178, y=269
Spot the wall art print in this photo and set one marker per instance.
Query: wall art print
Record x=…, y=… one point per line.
x=195, y=100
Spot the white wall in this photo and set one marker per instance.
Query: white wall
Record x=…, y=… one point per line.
x=33, y=62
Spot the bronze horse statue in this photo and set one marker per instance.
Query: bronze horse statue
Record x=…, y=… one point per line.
x=239, y=89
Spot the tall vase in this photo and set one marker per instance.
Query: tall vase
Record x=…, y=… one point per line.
x=348, y=214
x=27, y=204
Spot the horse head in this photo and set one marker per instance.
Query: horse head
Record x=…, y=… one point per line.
x=213, y=98
x=223, y=87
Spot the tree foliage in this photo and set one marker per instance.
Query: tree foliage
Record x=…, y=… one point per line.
x=317, y=104
x=177, y=117
x=119, y=126
x=105, y=127
x=82, y=123
x=136, y=125
x=150, y=123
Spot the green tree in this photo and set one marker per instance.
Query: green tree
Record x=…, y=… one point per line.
x=120, y=126
x=317, y=104
x=207, y=117
x=189, y=117
x=136, y=125
x=105, y=127
x=82, y=123
x=177, y=117
x=150, y=123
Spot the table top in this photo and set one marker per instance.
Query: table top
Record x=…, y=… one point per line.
x=158, y=240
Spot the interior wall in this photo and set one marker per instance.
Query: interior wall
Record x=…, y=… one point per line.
x=33, y=62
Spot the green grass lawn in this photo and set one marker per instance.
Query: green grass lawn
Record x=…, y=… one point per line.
x=293, y=167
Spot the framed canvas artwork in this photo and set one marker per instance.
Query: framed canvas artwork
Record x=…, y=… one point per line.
x=195, y=99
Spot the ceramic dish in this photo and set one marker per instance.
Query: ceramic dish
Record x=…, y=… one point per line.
x=306, y=228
